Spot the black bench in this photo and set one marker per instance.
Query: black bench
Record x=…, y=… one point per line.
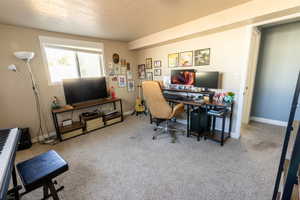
x=40, y=171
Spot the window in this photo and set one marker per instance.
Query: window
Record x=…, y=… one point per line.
x=66, y=58
x=68, y=63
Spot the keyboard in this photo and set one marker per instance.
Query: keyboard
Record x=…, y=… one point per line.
x=177, y=97
x=9, y=139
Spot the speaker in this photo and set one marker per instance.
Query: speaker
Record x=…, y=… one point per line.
x=25, y=139
x=200, y=121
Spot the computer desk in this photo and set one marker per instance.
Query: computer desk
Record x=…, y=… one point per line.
x=221, y=136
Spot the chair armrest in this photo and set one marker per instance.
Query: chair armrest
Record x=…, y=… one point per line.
x=178, y=109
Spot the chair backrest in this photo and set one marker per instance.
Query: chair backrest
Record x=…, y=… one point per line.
x=157, y=104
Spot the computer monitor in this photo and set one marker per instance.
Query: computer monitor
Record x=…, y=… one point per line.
x=183, y=77
x=207, y=80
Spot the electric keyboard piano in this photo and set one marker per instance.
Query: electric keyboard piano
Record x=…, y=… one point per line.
x=9, y=139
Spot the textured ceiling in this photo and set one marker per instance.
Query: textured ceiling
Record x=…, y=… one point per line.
x=123, y=20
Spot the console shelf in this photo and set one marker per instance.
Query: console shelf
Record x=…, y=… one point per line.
x=79, y=128
x=74, y=126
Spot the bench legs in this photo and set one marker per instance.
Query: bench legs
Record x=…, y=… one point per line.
x=49, y=186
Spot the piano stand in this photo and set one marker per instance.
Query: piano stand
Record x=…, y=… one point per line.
x=40, y=171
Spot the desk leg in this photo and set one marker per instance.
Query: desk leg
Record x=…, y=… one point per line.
x=214, y=124
x=230, y=122
x=188, y=121
x=223, y=130
x=121, y=107
x=151, y=119
x=199, y=132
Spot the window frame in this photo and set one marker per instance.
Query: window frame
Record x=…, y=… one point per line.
x=74, y=45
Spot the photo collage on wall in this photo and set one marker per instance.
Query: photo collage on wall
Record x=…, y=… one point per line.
x=120, y=73
x=198, y=57
x=152, y=69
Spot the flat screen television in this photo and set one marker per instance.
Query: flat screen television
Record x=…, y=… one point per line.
x=183, y=77
x=207, y=80
x=84, y=89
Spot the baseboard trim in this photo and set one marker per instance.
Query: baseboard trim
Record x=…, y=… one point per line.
x=268, y=121
x=51, y=135
x=128, y=112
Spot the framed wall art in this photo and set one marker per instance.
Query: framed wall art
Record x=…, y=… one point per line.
x=129, y=75
x=157, y=72
x=130, y=86
x=157, y=63
x=122, y=81
x=186, y=59
x=202, y=57
x=148, y=63
x=173, y=60
x=117, y=69
x=141, y=71
x=149, y=76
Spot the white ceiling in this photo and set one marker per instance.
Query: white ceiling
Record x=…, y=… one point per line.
x=123, y=20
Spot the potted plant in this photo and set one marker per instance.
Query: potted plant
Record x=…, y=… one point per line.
x=229, y=97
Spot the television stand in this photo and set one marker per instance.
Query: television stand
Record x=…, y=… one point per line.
x=80, y=127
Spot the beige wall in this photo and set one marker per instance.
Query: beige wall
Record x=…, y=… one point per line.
x=16, y=99
x=228, y=55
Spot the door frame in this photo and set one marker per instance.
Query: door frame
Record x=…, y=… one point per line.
x=249, y=74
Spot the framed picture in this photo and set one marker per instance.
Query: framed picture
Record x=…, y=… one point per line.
x=130, y=86
x=117, y=69
x=157, y=63
x=186, y=59
x=129, y=75
x=122, y=81
x=114, y=78
x=202, y=57
x=111, y=70
x=157, y=72
x=148, y=63
x=141, y=71
x=173, y=60
x=149, y=76
x=128, y=66
x=123, y=70
x=123, y=62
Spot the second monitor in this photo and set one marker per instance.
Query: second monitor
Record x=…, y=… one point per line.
x=207, y=80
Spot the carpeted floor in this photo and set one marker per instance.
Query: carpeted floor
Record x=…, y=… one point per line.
x=123, y=163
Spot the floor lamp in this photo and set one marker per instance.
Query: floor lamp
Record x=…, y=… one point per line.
x=27, y=57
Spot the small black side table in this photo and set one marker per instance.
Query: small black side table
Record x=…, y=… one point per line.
x=217, y=135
